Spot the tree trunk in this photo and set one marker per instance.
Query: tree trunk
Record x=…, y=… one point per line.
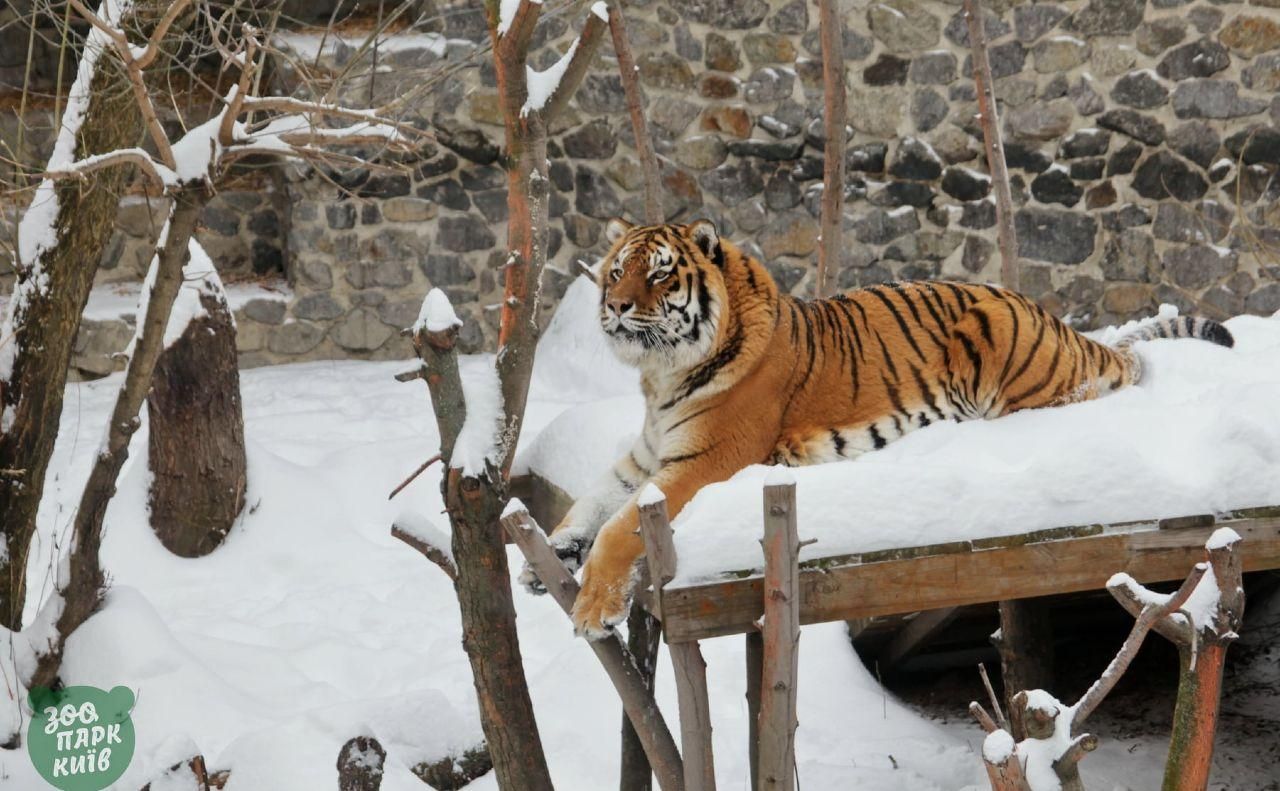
x=44, y=325
x=1195, y=718
x=1026, y=651
x=82, y=590
x=196, y=443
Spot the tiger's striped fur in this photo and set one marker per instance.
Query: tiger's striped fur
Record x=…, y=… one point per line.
x=735, y=373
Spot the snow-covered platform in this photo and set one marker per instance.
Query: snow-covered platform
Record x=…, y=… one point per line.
x=966, y=513
x=1020, y=566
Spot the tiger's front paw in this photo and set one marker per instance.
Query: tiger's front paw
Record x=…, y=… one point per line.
x=602, y=603
x=569, y=550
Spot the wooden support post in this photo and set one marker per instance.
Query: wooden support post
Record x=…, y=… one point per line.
x=831, y=34
x=1025, y=643
x=637, y=700
x=686, y=658
x=755, y=670
x=990, y=121
x=643, y=634
x=781, y=632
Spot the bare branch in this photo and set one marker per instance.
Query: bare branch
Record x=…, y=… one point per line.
x=984, y=719
x=162, y=28
x=1080, y=746
x=433, y=553
x=514, y=42
x=629, y=75
x=574, y=73
x=158, y=173
x=134, y=72
x=1150, y=614
x=413, y=475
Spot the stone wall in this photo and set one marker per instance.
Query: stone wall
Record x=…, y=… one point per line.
x=1143, y=138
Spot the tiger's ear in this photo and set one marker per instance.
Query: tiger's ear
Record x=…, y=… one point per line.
x=704, y=235
x=616, y=229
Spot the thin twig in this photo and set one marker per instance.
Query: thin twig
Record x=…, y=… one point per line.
x=421, y=469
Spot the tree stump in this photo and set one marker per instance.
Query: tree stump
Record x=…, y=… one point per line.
x=360, y=764
x=196, y=444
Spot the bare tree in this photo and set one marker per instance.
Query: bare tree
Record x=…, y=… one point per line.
x=60, y=239
x=185, y=170
x=479, y=461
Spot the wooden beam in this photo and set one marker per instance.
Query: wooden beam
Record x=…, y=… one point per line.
x=917, y=632
x=969, y=573
x=781, y=631
x=637, y=700
x=686, y=658
x=1025, y=643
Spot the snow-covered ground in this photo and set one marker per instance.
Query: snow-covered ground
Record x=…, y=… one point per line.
x=311, y=624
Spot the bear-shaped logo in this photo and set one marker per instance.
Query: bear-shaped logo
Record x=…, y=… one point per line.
x=81, y=738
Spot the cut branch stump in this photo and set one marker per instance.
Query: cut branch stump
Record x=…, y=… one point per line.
x=637, y=700
x=360, y=764
x=686, y=658
x=781, y=632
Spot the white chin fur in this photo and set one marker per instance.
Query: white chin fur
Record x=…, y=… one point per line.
x=633, y=353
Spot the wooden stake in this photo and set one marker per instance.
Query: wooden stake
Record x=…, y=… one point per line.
x=618, y=663
x=755, y=670
x=831, y=31
x=990, y=120
x=781, y=638
x=686, y=658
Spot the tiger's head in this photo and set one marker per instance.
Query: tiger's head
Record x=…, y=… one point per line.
x=661, y=292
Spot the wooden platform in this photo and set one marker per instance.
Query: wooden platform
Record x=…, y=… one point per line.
x=1043, y=563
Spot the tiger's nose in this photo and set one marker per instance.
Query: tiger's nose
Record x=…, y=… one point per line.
x=620, y=306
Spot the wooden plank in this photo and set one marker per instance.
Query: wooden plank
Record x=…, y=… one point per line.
x=917, y=631
x=686, y=658
x=889, y=587
x=637, y=700
x=781, y=632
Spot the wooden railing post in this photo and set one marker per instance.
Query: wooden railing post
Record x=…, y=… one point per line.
x=755, y=669
x=686, y=658
x=781, y=633
x=637, y=699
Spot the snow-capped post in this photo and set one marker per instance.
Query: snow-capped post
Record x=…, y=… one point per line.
x=637, y=699
x=59, y=245
x=643, y=630
x=686, y=658
x=629, y=74
x=781, y=632
x=1202, y=629
x=999, y=754
x=990, y=121
x=360, y=764
x=188, y=169
x=835, y=132
x=196, y=439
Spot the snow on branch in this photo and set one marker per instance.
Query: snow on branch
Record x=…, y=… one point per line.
x=436, y=314
x=575, y=64
x=421, y=533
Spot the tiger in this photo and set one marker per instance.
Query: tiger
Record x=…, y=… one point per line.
x=735, y=373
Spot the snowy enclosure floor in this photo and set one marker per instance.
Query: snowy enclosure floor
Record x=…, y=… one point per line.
x=311, y=624
x=1200, y=435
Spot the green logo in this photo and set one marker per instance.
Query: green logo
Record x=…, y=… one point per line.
x=81, y=738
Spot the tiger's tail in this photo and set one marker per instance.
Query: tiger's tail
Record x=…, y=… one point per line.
x=1180, y=327
x=1176, y=327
